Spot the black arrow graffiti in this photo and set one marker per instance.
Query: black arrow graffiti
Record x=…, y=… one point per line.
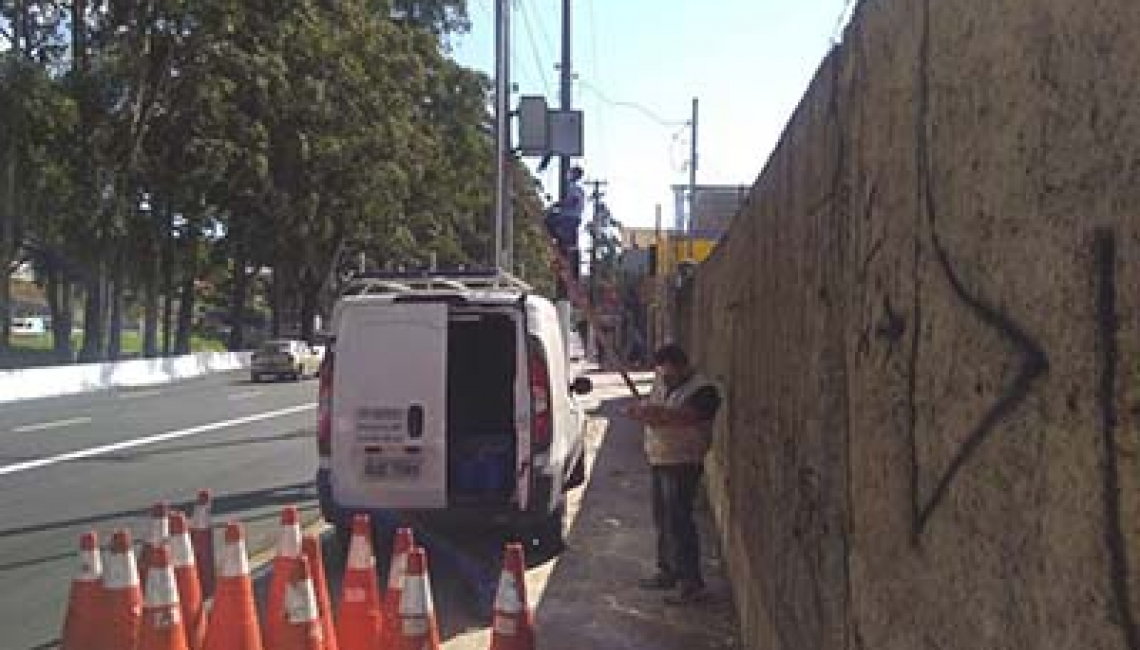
x=1033, y=364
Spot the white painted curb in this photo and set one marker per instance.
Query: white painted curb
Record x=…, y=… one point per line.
x=33, y=383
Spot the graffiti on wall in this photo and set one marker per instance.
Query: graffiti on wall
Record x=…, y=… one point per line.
x=1104, y=246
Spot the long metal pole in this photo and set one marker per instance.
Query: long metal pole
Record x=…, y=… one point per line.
x=507, y=157
x=566, y=100
x=692, y=180
x=566, y=90
x=502, y=100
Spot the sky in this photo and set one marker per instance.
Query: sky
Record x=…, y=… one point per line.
x=747, y=61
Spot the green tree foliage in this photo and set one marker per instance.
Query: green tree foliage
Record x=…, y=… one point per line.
x=179, y=157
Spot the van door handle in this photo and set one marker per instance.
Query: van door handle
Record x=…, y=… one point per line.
x=415, y=421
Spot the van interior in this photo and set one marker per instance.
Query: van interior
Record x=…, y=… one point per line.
x=481, y=368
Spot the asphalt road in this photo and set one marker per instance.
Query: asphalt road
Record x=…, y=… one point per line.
x=98, y=461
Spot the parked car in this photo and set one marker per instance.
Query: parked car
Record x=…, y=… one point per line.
x=447, y=400
x=291, y=358
x=30, y=325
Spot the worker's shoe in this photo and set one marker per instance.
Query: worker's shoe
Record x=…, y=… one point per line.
x=688, y=593
x=659, y=581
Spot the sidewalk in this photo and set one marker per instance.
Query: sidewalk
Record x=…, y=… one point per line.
x=591, y=598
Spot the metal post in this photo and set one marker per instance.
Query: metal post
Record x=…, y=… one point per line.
x=566, y=90
x=661, y=276
x=692, y=181
x=502, y=122
x=566, y=100
x=505, y=166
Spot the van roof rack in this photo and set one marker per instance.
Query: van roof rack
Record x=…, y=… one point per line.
x=378, y=282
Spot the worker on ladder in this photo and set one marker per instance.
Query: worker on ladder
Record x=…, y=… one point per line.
x=564, y=218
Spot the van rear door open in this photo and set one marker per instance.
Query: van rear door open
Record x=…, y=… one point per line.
x=390, y=406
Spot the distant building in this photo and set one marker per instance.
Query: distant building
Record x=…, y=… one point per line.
x=638, y=238
x=714, y=209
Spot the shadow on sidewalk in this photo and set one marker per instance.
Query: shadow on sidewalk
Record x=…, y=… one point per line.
x=592, y=598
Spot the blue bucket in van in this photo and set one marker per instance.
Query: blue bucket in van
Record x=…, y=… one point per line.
x=493, y=474
x=482, y=465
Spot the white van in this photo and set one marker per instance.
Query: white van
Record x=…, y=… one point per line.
x=447, y=398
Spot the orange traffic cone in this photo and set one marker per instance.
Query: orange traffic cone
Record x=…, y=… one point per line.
x=513, y=625
x=358, y=624
x=390, y=614
x=189, y=590
x=122, y=598
x=233, y=621
x=288, y=553
x=418, y=630
x=311, y=549
x=156, y=537
x=162, y=627
x=202, y=536
x=84, y=618
x=298, y=622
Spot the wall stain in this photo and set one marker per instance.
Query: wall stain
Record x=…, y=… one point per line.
x=1104, y=246
x=924, y=197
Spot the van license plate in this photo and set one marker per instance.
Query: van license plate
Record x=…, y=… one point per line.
x=378, y=467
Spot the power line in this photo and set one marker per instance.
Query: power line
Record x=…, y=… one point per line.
x=534, y=49
x=593, y=37
x=596, y=72
x=647, y=112
x=674, y=140
x=547, y=41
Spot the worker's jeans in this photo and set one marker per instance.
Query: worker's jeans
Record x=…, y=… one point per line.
x=678, y=548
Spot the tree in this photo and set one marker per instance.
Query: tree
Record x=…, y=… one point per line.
x=176, y=147
x=31, y=32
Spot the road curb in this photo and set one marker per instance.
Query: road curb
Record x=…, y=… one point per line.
x=56, y=381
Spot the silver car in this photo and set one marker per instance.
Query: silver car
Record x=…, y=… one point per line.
x=289, y=358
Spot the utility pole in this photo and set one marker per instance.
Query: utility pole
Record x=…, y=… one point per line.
x=657, y=326
x=503, y=252
x=566, y=90
x=692, y=180
x=566, y=99
x=565, y=103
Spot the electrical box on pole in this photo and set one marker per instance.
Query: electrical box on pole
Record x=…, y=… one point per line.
x=566, y=133
x=534, y=126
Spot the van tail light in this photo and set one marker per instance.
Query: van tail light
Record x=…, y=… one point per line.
x=324, y=407
x=540, y=407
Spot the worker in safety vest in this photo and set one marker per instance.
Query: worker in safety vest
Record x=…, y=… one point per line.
x=678, y=418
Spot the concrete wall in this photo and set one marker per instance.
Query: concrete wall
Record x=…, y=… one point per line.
x=53, y=381
x=928, y=318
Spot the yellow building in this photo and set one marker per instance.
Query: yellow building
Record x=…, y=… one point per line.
x=663, y=250
x=675, y=248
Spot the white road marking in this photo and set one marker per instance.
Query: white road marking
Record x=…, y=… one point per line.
x=140, y=394
x=55, y=424
x=249, y=394
x=149, y=440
